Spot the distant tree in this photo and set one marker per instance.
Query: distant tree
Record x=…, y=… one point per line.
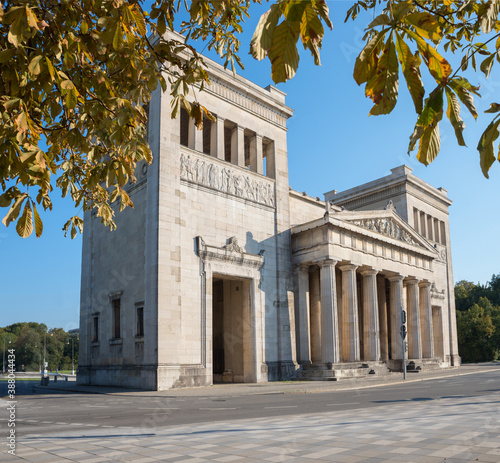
x=478, y=320
x=28, y=341
x=475, y=330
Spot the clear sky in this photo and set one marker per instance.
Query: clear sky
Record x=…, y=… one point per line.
x=332, y=144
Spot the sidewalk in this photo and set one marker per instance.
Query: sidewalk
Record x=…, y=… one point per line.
x=279, y=387
x=451, y=429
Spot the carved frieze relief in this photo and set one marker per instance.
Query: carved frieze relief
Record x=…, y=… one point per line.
x=226, y=180
x=387, y=227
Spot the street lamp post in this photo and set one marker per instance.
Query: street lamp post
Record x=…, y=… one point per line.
x=72, y=355
x=3, y=362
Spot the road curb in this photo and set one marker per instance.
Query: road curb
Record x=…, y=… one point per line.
x=298, y=389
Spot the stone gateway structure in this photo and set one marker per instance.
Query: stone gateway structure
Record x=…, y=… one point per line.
x=222, y=273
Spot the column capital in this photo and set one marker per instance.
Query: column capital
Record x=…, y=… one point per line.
x=220, y=118
x=396, y=278
x=424, y=284
x=347, y=267
x=369, y=271
x=325, y=262
x=411, y=280
x=303, y=266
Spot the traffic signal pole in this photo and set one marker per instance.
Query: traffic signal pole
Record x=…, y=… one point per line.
x=403, y=342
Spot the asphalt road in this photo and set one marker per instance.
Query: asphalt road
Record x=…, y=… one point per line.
x=53, y=413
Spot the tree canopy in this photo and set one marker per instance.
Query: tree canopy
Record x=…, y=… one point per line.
x=478, y=320
x=29, y=341
x=76, y=78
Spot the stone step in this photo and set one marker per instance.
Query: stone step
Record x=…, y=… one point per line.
x=334, y=372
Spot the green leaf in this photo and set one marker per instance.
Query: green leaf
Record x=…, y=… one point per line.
x=283, y=54
x=430, y=144
x=489, y=17
x=382, y=88
x=24, y=225
x=494, y=108
x=380, y=20
x=262, y=39
x=425, y=25
x=432, y=108
x=453, y=113
x=411, y=71
x=311, y=32
x=487, y=64
x=366, y=63
x=71, y=98
x=6, y=55
x=465, y=95
x=486, y=148
x=438, y=67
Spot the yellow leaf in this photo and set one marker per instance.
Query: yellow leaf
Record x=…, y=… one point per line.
x=38, y=223
x=24, y=225
x=283, y=53
x=411, y=72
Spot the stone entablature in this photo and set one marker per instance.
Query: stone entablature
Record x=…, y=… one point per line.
x=327, y=237
x=247, y=103
x=222, y=177
x=400, y=182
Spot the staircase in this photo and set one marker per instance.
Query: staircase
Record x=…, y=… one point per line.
x=334, y=372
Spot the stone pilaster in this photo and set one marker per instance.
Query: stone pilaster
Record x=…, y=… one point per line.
x=426, y=320
x=195, y=140
x=256, y=164
x=371, y=329
x=329, y=319
x=350, y=328
x=217, y=148
x=303, y=315
x=413, y=319
x=396, y=306
x=238, y=146
x=382, y=310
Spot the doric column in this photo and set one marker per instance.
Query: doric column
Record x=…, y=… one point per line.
x=303, y=315
x=350, y=328
x=382, y=311
x=413, y=319
x=238, y=146
x=195, y=140
x=315, y=315
x=217, y=147
x=256, y=154
x=329, y=320
x=371, y=330
x=396, y=306
x=426, y=320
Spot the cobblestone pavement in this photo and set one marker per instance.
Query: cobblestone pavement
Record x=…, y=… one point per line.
x=450, y=429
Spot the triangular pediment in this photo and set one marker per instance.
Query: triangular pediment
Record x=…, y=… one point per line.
x=386, y=223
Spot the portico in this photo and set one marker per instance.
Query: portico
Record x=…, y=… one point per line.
x=356, y=273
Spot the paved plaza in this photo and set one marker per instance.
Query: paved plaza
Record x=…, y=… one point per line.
x=450, y=428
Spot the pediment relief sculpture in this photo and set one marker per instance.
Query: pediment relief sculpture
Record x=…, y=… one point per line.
x=387, y=227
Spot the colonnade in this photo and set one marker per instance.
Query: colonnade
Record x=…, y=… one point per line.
x=350, y=313
x=226, y=140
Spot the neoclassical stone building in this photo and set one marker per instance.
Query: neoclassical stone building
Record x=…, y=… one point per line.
x=224, y=273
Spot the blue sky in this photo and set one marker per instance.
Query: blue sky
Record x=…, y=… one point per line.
x=332, y=144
